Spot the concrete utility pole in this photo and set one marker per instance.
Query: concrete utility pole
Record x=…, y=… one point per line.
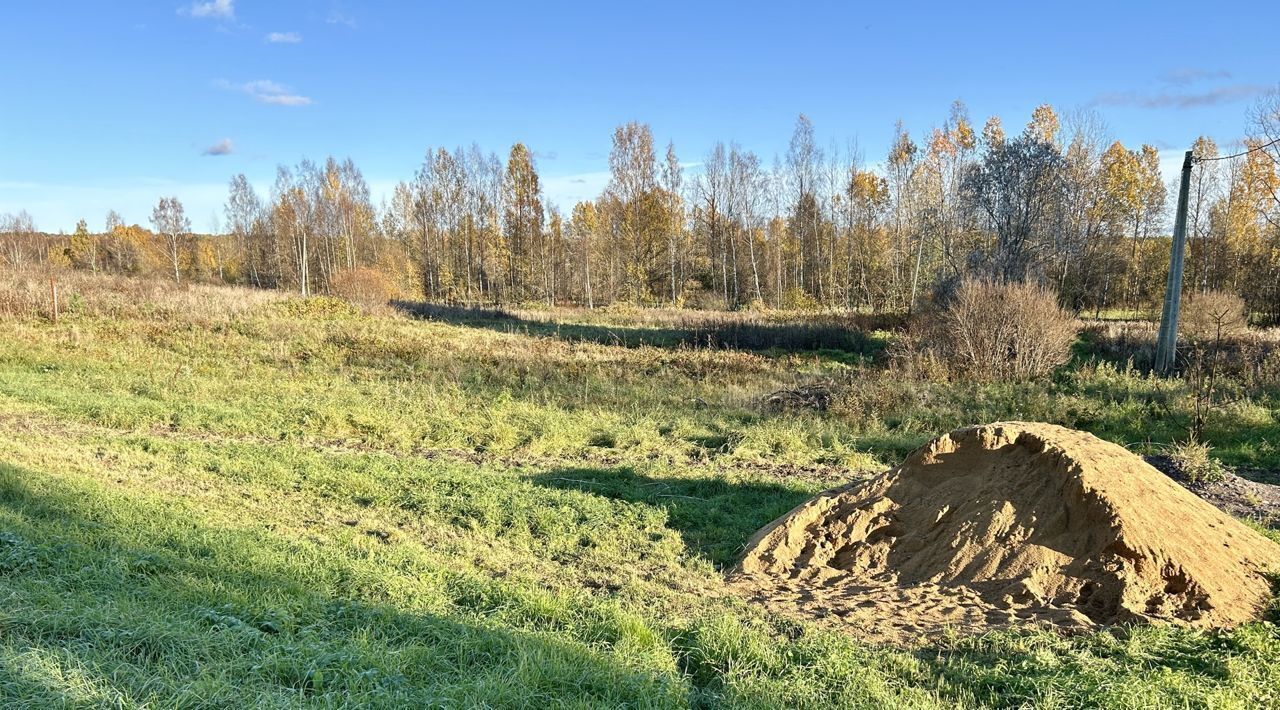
x=1167, y=340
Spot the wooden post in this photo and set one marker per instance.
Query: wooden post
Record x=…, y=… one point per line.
x=1167, y=340
x=53, y=298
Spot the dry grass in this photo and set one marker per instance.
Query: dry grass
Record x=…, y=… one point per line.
x=1251, y=355
x=1213, y=316
x=365, y=287
x=25, y=295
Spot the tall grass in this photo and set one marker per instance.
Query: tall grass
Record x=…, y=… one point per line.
x=28, y=294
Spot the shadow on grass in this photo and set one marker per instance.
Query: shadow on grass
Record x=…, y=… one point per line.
x=119, y=600
x=714, y=517
x=831, y=340
x=115, y=600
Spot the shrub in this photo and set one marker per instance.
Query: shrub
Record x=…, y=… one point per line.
x=997, y=331
x=369, y=288
x=319, y=308
x=1212, y=317
x=1193, y=461
x=795, y=299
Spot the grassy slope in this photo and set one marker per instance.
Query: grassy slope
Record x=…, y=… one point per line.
x=298, y=505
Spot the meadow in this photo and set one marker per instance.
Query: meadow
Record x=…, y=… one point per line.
x=221, y=497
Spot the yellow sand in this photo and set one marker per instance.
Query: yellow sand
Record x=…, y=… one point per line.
x=992, y=525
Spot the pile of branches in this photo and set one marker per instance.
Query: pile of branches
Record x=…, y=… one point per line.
x=814, y=395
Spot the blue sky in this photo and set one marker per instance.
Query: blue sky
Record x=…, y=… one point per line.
x=113, y=104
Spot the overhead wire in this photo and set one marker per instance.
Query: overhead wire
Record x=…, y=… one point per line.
x=1254, y=149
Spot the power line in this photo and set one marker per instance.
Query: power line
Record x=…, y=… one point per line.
x=1254, y=149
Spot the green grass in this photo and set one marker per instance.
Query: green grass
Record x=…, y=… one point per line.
x=299, y=505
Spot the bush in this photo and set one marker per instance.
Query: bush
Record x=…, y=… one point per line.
x=365, y=287
x=1212, y=317
x=1193, y=461
x=794, y=299
x=995, y=331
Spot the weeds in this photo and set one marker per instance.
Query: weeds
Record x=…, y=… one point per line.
x=1193, y=461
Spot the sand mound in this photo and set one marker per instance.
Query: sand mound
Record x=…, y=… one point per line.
x=992, y=525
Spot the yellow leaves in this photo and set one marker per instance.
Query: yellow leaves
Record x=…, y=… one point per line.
x=959, y=130
x=333, y=181
x=522, y=185
x=903, y=150
x=1258, y=177
x=584, y=220
x=963, y=136
x=1204, y=147
x=1121, y=181
x=59, y=259
x=940, y=144
x=1044, y=123
x=868, y=189
x=1132, y=188
x=1252, y=188
x=993, y=132
x=1149, y=160
x=133, y=234
x=82, y=247
x=203, y=258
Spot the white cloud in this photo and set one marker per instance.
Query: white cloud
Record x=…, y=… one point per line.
x=284, y=38
x=267, y=92
x=337, y=18
x=222, y=147
x=211, y=9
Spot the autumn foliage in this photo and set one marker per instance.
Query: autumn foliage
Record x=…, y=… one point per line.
x=1056, y=203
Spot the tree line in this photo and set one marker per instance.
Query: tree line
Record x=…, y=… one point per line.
x=1055, y=202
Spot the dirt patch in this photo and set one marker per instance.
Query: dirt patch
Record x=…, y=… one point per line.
x=1238, y=495
x=1010, y=523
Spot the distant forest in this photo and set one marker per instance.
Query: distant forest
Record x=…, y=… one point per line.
x=1053, y=202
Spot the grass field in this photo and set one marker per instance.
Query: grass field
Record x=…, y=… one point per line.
x=224, y=498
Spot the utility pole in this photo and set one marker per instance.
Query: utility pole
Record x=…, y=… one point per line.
x=1167, y=340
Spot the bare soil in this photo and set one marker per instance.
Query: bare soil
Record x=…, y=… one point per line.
x=1250, y=494
x=1010, y=523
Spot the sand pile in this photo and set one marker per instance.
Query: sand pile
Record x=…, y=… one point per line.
x=1009, y=522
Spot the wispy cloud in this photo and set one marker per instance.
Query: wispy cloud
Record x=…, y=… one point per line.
x=284, y=38
x=222, y=147
x=1191, y=75
x=336, y=17
x=1182, y=100
x=211, y=9
x=267, y=92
